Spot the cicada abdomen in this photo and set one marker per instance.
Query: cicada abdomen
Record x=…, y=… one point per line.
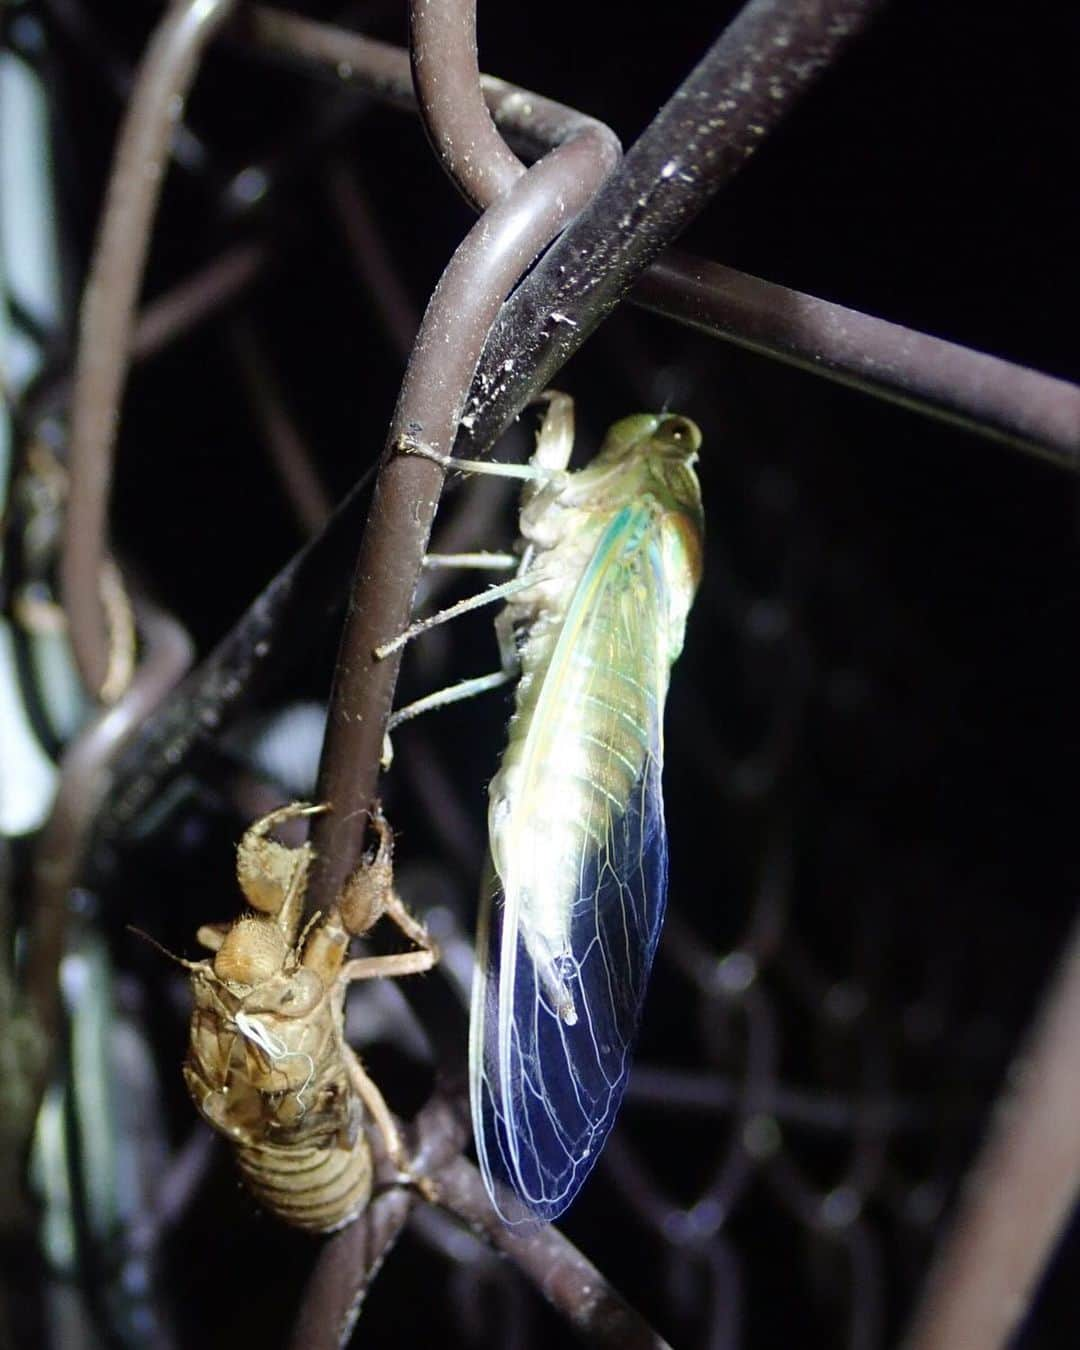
x=268, y=1065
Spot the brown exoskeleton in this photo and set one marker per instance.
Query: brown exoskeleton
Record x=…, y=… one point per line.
x=267, y=1064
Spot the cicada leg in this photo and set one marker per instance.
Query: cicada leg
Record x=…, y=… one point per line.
x=549, y=462
x=375, y=1104
x=554, y=443
x=465, y=689
x=488, y=597
x=555, y=439
x=271, y=874
x=481, y=562
x=493, y=468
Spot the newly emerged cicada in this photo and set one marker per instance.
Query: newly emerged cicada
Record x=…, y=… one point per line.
x=267, y=1064
x=576, y=886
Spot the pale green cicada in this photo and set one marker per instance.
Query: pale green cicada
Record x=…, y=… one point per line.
x=571, y=913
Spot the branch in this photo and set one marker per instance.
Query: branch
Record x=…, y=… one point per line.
x=488, y=262
x=566, y=1278
x=750, y=78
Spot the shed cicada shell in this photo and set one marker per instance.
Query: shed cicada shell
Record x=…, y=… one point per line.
x=267, y=1064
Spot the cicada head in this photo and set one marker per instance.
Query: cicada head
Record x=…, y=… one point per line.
x=663, y=436
x=652, y=454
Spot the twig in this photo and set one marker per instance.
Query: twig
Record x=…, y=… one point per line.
x=569, y=1282
x=1019, y=1193
x=108, y=312
x=1031, y=412
x=381, y=70
x=393, y=304
x=177, y=310
x=271, y=638
x=164, y=319
x=442, y=52
x=97, y=55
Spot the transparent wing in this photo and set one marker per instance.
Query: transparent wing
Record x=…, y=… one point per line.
x=545, y=1091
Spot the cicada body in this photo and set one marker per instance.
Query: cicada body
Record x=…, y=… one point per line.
x=266, y=1067
x=267, y=1063
x=572, y=913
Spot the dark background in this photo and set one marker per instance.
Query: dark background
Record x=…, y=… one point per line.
x=872, y=733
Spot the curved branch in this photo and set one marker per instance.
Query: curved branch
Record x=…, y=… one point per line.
x=491, y=258
x=446, y=76
x=107, y=319
x=1025, y=409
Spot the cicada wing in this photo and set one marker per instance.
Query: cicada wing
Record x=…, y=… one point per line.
x=542, y=1113
x=545, y=1090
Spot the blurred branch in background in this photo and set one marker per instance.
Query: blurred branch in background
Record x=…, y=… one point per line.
x=84, y=781
x=108, y=316
x=1021, y=1190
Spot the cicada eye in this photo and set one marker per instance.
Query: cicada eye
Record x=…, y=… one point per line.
x=680, y=430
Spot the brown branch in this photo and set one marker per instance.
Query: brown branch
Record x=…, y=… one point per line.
x=751, y=77
x=567, y=1279
x=1023, y=408
x=389, y=296
x=446, y=77
x=1031, y=412
x=163, y=320
x=492, y=257
x=108, y=313
x=194, y=299
x=293, y=463
x=350, y=1260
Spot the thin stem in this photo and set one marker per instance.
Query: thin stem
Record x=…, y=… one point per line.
x=1023, y=408
x=291, y=458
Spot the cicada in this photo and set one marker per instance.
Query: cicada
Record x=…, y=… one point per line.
x=268, y=1064
x=574, y=899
